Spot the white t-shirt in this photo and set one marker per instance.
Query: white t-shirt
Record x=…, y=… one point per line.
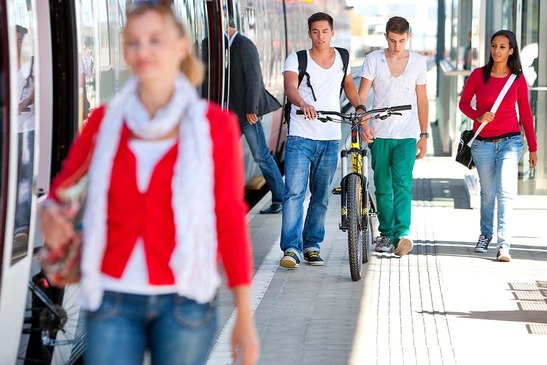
x=391, y=91
x=25, y=87
x=326, y=85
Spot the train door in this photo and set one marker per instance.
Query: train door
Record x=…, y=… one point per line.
x=4, y=129
x=20, y=80
x=232, y=15
x=217, y=51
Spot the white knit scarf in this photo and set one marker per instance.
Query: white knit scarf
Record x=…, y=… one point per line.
x=194, y=260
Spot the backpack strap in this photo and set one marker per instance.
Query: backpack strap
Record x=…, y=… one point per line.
x=302, y=65
x=345, y=61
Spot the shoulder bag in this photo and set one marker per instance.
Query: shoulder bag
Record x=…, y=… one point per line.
x=463, y=155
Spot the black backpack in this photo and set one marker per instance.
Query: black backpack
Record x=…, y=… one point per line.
x=302, y=65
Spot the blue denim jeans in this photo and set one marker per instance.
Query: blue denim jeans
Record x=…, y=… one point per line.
x=175, y=329
x=314, y=160
x=497, y=165
x=254, y=134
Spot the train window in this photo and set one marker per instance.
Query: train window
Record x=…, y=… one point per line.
x=25, y=124
x=89, y=48
x=103, y=29
x=193, y=14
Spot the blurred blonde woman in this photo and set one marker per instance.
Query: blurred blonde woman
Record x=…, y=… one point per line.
x=165, y=203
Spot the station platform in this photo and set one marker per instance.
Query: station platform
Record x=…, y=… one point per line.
x=441, y=304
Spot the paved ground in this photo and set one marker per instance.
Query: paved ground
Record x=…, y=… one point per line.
x=441, y=304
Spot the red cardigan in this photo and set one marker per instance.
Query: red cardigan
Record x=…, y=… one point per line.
x=132, y=214
x=505, y=122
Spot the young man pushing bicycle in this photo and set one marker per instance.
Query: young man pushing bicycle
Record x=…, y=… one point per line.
x=396, y=76
x=311, y=152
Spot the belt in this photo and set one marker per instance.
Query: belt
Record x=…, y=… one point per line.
x=496, y=140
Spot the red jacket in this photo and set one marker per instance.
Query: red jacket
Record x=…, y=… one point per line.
x=132, y=214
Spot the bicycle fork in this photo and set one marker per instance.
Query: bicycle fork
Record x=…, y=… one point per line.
x=342, y=190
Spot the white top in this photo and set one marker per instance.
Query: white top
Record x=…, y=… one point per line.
x=135, y=276
x=25, y=87
x=326, y=85
x=392, y=91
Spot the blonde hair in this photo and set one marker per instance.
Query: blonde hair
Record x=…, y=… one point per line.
x=191, y=66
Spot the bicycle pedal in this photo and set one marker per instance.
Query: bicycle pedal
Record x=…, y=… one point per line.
x=337, y=191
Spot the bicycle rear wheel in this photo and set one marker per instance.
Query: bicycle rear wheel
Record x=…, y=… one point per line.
x=355, y=236
x=53, y=330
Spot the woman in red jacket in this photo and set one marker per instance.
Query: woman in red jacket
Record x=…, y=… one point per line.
x=497, y=149
x=166, y=170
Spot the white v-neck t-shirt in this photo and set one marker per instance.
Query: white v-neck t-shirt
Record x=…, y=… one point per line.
x=390, y=91
x=326, y=86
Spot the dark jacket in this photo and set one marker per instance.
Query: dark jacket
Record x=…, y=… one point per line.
x=247, y=92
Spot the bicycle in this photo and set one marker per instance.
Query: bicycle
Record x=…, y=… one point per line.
x=357, y=203
x=53, y=328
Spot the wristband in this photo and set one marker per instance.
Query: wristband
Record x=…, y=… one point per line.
x=362, y=107
x=424, y=135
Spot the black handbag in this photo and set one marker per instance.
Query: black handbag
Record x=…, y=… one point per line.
x=463, y=155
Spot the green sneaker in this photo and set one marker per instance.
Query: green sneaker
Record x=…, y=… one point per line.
x=313, y=258
x=289, y=260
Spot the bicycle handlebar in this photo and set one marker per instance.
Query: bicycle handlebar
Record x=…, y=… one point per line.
x=399, y=108
x=387, y=111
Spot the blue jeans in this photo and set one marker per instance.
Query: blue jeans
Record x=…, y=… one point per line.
x=175, y=329
x=254, y=134
x=314, y=160
x=497, y=165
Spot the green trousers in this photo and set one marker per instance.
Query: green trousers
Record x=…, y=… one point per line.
x=393, y=161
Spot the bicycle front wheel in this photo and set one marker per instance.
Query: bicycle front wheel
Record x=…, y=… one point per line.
x=355, y=236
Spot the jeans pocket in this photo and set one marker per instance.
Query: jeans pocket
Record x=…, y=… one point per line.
x=334, y=145
x=516, y=143
x=110, y=307
x=189, y=313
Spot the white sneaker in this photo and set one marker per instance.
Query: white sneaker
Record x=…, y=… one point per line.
x=404, y=246
x=503, y=254
x=382, y=243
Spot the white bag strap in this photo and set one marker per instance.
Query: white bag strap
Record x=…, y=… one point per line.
x=496, y=105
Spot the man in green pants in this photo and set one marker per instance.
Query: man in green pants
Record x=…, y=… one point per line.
x=397, y=76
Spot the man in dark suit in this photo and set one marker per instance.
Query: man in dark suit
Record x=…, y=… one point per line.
x=249, y=100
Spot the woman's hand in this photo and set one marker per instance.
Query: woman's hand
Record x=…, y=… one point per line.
x=56, y=224
x=245, y=344
x=533, y=159
x=486, y=117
